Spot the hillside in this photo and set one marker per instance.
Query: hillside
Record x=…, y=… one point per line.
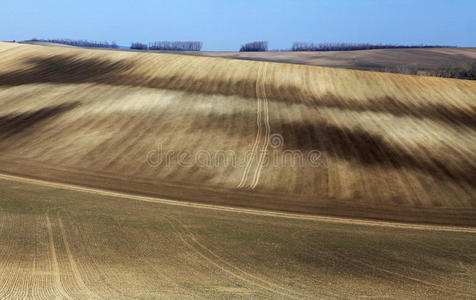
x=338, y=142
x=443, y=62
x=422, y=61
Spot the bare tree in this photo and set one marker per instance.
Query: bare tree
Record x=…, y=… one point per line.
x=303, y=46
x=139, y=46
x=78, y=43
x=255, y=46
x=176, y=46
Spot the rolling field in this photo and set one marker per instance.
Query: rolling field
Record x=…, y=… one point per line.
x=242, y=133
x=140, y=175
x=379, y=59
x=77, y=245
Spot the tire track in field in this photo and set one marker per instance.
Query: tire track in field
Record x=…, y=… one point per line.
x=94, y=265
x=42, y=279
x=267, y=133
x=217, y=261
x=54, y=259
x=76, y=273
x=275, y=287
x=192, y=247
x=244, y=177
x=210, y=261
x=143, y=259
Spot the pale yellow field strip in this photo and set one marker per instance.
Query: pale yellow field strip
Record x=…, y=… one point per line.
x=239, y=210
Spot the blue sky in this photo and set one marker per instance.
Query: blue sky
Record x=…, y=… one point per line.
x=225, y=25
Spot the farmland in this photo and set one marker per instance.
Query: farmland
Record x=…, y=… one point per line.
x=422, y=61
x=391, y=146
x=293, y=181
x=447, y=62
x=79, y=245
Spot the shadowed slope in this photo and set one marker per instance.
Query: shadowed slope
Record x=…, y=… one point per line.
x=357, y=144
x=70, y=69
x=12, y=124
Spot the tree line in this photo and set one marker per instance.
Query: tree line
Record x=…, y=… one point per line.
x=171, y=46
x=78, y=43
x=139, y=46
x=462, y=70
x=254, y=46
x=302, y=46
x=248, y=47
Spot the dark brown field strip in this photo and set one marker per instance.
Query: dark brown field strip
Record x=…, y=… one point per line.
x=233, y=198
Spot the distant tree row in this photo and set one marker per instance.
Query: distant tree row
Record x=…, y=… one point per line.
x=255, y=46
x=79, y=43
x=460, y=71
x=302, y=46
x=176, y=46
x=139, y=46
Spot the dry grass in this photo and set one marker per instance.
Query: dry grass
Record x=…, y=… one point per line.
x=393, y=146
x=75, y=245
